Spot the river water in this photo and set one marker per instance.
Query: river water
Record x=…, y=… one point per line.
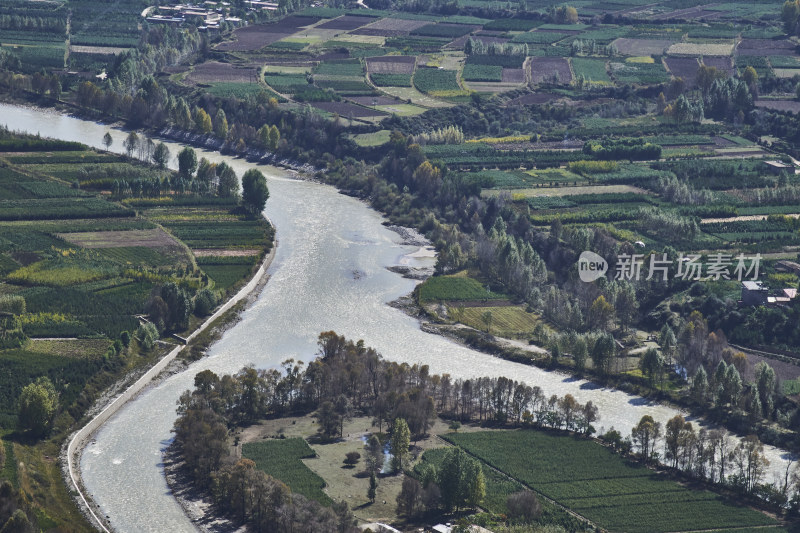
x=329, y=273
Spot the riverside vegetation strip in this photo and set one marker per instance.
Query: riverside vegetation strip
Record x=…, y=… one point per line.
x=81, y=277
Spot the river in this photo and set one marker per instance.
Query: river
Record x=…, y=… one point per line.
x=329, y=273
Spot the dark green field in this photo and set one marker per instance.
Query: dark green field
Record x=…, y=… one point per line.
x=280, y=458
x=602, y=486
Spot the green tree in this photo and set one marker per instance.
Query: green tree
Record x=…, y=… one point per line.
x=228, y=182
x=699, y=391
x=273, y=138
x=254, y=191
x=373, y=487
x=401, y=438
x=652, y=365
x=329, y=419
x=37, y=405
x=461, y=480
x=645, y=434
x=601, y=314
x=107, y=141
x=603, y=353
x=202, y=121
x=486, y=317
x=221, y=124
x=161, y=155
x=374, y=455
x=131, y=143
x=187, y=162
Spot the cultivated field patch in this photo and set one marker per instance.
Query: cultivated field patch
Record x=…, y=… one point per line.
x=548, y=69
x=213, y=71
x=700, y=49
x=642, y=47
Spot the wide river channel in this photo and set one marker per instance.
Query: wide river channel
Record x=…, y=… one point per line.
x=329, y=273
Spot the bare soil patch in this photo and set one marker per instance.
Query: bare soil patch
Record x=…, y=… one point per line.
x=107, y=50
x=534, y=99
x=724, y=63
x=764, y=47
x=642, y=47
x=149, y=238
x=391, y=64
x=260, y=35
x=545, y=69
x=513, y=75
x=213, y=71
x=683, y=67
x=215, y=252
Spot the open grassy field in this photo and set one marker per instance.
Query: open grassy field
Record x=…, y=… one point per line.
x=602, y=486
x=456, y=287
x=281, y=458
x=507, y=321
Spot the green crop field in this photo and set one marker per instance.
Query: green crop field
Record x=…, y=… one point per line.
x=609, y=486
x=280, y=458
x=507, y=321
x=482, y=72
x=431, y=80
x=391, y=80
x=593, y=70
x=457, y=287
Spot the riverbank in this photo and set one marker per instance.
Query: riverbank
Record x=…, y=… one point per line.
x=75, y=444
x=171, y=133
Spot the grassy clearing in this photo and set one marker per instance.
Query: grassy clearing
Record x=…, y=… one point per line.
x=281, y=459
x=402, y=110
x=609, y=485
x=510, y=321
x=77, y=348
x=372, y=139
x=456, y=287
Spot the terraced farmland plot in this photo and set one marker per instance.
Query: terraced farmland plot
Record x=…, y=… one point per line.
x=348, y=110
x=213, y=71
x=257, y=36
x=482, y=73
x=444, y=29
x=346, y=22
x=342, y=67
x=593, y=70
x=642, y=47
x=390, y=27
x=547, y=69
x=391, y=64
x=765, y=47
x=723, y=63
x=683, y=67
x=433, y=80
x=602, y=486
x=538, y=37
x=645, y=73
x=391, y=80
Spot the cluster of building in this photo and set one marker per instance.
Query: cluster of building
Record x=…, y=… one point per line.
x=207, y=16
x=755, y=293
